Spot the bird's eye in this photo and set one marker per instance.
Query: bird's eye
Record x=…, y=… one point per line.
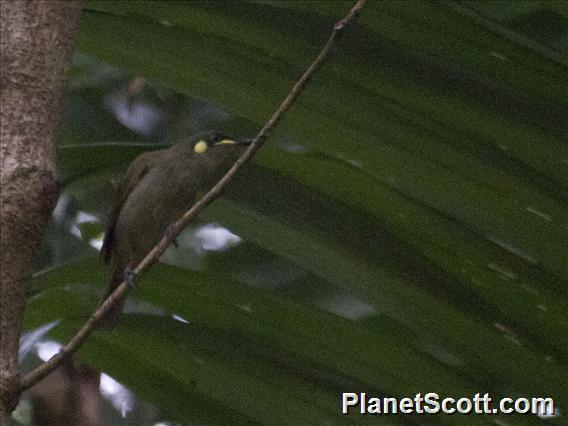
x=200, y=147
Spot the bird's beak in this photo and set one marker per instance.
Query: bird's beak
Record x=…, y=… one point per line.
x=226, y=142
x=245, y=142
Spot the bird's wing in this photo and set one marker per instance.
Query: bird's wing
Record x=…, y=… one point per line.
x=137, y=170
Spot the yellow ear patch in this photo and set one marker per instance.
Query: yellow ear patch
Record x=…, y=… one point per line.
x=226, y=142
x=200, y=147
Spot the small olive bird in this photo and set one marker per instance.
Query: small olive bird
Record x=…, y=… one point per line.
x=158, y=188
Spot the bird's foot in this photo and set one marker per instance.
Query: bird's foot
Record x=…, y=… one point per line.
x=170, y=231
x=129, y=277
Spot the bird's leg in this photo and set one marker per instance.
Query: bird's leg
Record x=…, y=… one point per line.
x=170, y=231
x=129, y=276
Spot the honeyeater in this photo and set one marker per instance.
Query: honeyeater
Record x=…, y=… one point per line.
x=157, y=189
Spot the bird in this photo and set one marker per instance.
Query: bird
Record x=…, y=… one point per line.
x=157, y=189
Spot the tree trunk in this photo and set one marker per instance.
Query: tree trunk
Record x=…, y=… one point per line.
x=36, y=46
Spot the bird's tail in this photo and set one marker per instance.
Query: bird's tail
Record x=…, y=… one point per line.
x=110, y=321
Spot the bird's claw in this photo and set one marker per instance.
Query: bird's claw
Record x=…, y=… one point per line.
x=129, y=277
x=170, y=231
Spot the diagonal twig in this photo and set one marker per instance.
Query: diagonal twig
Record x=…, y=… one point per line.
x=43, y=370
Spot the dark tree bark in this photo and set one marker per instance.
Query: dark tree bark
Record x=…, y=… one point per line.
x=36, y=45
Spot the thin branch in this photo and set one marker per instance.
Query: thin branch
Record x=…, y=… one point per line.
x=43, y=370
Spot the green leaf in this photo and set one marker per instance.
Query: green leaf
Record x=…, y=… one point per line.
x=405, y=229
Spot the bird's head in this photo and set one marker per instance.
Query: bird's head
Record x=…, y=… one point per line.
x=213, y=144
x=212, y=152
